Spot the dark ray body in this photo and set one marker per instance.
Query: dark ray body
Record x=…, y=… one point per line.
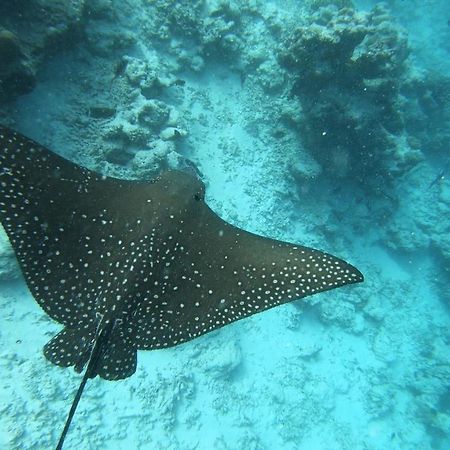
x=148, y=259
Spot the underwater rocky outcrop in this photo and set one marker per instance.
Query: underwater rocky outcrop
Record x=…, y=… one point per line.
x=427, y=112
x=145, y=135
x=426, y=116
x=198, y=31
x=55, y=25
x=348, y=67
x=17, y=74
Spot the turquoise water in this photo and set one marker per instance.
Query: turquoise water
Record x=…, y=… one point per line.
x=315, y=125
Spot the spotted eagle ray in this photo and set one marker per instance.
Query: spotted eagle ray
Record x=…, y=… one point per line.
x=126, y=265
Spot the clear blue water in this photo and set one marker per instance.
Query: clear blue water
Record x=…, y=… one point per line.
x=347, y=151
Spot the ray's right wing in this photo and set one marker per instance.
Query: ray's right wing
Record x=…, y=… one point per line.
x=219, y=274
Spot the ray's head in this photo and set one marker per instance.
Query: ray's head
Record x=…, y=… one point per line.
x=184, y=186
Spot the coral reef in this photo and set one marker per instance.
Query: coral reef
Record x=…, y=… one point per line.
x=316, y=4
x=56, y=25
x=199, y=31
x=143, y=136
x=347, y=67
x=16, y=72
x=427, y=111
x=425, y=229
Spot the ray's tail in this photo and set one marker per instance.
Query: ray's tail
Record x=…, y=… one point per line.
x=99, y=348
